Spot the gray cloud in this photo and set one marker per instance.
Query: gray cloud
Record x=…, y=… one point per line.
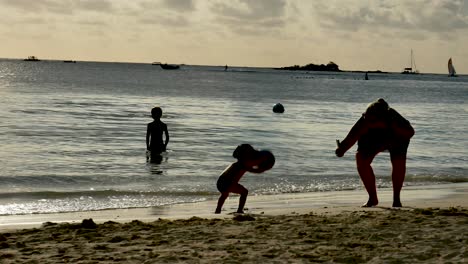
x=58, y=6
x=166, y=13
x=251, y=10
x=251, y=17
x=444, y=16
x=166, y=6
x=95, y=5
x=92, y=23
x=180, y=5
x=38, y=5
x=164, y=20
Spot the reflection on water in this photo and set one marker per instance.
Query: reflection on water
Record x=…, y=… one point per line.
x=154, y=162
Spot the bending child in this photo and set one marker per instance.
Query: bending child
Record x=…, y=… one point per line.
x=248, y=160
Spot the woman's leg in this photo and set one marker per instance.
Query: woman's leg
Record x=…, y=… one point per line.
x=363, y=163
x=398, y=176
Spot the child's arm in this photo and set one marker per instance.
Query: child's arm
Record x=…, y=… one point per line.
x=148, y=134
x=166, y=132
x=256, y=170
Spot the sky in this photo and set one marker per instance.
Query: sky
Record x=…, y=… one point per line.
x=355, y=34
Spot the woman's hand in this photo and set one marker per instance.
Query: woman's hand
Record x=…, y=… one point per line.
x=339, y=152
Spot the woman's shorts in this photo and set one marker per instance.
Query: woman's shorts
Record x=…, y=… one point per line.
x=397, y=150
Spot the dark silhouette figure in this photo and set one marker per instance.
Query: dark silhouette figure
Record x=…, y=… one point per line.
x=248, y=160
x=366, y=77
x=225, y=68
x=154, y=135
x=380, y=128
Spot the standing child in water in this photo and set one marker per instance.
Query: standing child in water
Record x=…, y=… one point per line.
x=248, y=160
x=154, y=134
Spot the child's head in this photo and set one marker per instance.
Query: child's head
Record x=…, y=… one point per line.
x=252, y=158
x=156, y=112
x=244, y=152
x=377, y=110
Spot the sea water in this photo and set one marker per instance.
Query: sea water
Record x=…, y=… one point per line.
x=73, y=134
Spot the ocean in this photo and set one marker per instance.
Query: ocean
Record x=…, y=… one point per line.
x=73, y=134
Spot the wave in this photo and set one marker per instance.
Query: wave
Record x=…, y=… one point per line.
x=100, y=194
x=436, y=178
x=20, y=203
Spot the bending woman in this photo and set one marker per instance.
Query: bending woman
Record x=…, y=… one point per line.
x=380, y=128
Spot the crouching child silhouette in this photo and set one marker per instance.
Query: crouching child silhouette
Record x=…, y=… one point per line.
x=248, y=160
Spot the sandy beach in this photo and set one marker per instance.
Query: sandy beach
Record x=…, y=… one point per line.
x=318, y=227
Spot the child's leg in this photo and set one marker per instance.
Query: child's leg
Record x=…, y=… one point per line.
x=363, y=162
x=221, y=200
x=243, y=193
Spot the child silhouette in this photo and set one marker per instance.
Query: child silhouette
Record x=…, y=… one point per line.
x=248, y=160
x=154, y=135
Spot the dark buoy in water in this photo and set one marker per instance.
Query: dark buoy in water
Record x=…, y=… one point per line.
x=278, y=108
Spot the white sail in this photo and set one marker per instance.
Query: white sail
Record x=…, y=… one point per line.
x=451, y=69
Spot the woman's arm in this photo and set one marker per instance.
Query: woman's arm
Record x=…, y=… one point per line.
x=400, y=126
x=359, y=128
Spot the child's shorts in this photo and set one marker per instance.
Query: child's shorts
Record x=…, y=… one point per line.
x=223, y=184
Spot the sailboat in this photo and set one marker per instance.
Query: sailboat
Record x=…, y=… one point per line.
x=451, y=69
x=411, y=69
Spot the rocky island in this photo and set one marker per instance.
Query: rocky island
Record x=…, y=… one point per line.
x=331, y=66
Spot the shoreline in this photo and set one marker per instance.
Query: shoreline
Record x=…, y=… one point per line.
x=432, y=196
x=293, y=228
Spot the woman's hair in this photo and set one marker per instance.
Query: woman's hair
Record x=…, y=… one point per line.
x=243, y=151
x=378, y=109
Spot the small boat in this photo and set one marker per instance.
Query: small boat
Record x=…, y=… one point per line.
x=69, y=61
x=166, y=66
x=411, y=69
x=451, y=69
x=31, y=58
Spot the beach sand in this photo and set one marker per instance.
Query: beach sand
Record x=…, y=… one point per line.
x=432, y=227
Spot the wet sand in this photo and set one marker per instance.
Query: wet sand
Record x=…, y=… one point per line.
x=432, y=227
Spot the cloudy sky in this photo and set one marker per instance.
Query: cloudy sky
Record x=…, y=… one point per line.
x=355, y=34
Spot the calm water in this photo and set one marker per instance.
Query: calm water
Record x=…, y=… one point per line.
x=73, y=135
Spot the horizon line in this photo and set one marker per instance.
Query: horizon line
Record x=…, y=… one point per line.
x=208, y=65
